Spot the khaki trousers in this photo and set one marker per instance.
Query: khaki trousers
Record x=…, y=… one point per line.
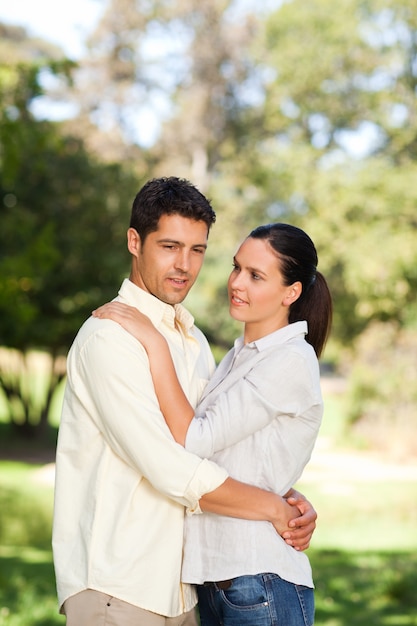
x=93, y=608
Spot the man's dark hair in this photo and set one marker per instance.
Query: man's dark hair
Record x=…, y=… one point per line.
x=168, y=196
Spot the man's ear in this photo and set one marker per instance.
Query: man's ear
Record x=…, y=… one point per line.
x=293, y=293
x=133, y=242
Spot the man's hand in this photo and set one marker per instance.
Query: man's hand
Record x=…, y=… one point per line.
x=304, y=525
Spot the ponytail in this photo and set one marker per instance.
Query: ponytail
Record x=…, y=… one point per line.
x=315, y=306
x=298, y=262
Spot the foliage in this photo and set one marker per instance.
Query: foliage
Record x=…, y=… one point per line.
x=187, y=60
x=339, y=93
x=320, y=134
x=64, y=217
x=286, y=112
x=382, y=399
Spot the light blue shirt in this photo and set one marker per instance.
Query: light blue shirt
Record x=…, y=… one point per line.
x=258, y=418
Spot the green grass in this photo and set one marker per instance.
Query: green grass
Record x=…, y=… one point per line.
x=363, y=554
x=27, y=583
x=364, y=562
x=365, y=588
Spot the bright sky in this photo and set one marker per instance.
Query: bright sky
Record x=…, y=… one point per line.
x=65, y=22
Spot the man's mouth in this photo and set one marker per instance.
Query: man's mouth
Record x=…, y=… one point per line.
x=179, y=282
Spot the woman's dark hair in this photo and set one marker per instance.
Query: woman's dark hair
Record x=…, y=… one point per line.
x=168, y=196
x=298, y=262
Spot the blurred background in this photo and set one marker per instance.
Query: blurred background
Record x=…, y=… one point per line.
x=301, y=112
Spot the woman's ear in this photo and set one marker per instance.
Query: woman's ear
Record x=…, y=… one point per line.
x=293, y=293
x=133, y=241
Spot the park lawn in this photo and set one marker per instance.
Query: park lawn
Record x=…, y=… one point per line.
x=27, y=584
x=364, y=557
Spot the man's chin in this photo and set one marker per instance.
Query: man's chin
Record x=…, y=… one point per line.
x=175, y=298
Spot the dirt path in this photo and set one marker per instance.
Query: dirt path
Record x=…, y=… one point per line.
x=327, y=464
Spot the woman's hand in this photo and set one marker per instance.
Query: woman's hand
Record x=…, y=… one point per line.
x=302, y=527
x=286, y=516
x=132, y=320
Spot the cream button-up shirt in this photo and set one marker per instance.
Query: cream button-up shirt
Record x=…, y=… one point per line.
x=121, y=480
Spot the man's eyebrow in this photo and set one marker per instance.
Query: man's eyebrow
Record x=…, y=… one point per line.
x=181, y=243
x=167, y=240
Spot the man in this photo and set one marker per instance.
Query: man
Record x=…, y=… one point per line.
x=121, y=480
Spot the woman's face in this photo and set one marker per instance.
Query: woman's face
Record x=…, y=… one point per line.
x=257, y=294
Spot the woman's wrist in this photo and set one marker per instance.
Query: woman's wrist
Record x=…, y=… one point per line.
x=154, y=342
x=282, y=513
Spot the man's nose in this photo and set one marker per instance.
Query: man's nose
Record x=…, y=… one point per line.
x=182, y=261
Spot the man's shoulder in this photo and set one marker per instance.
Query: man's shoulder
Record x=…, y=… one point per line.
x=106, y=330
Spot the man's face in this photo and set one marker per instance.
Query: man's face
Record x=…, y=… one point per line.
x=168, y=262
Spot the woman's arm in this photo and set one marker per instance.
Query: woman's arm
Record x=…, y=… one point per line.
x=173, y=402
x=236, y=499
x=224, y=423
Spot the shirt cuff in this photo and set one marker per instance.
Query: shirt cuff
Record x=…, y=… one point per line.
x=207, y=478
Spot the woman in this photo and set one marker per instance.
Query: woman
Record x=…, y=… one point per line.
x=269, y=386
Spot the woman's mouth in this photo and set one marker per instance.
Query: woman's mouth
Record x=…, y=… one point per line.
x=236, y=300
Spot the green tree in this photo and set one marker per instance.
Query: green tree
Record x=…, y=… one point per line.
x=188, y=60
x=63, y=217
x=331, y=148
x=290, y=113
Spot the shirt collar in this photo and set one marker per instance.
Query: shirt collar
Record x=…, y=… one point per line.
x=155, y=309
x=276, y=338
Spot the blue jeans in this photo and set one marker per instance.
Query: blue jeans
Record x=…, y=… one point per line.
x=261, y=600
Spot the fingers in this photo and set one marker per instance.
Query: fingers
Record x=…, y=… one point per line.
x=299, y=545
x=300, y=532
x=111, y=310
x=301, y=528
x=308, y=513
x=300, y=537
